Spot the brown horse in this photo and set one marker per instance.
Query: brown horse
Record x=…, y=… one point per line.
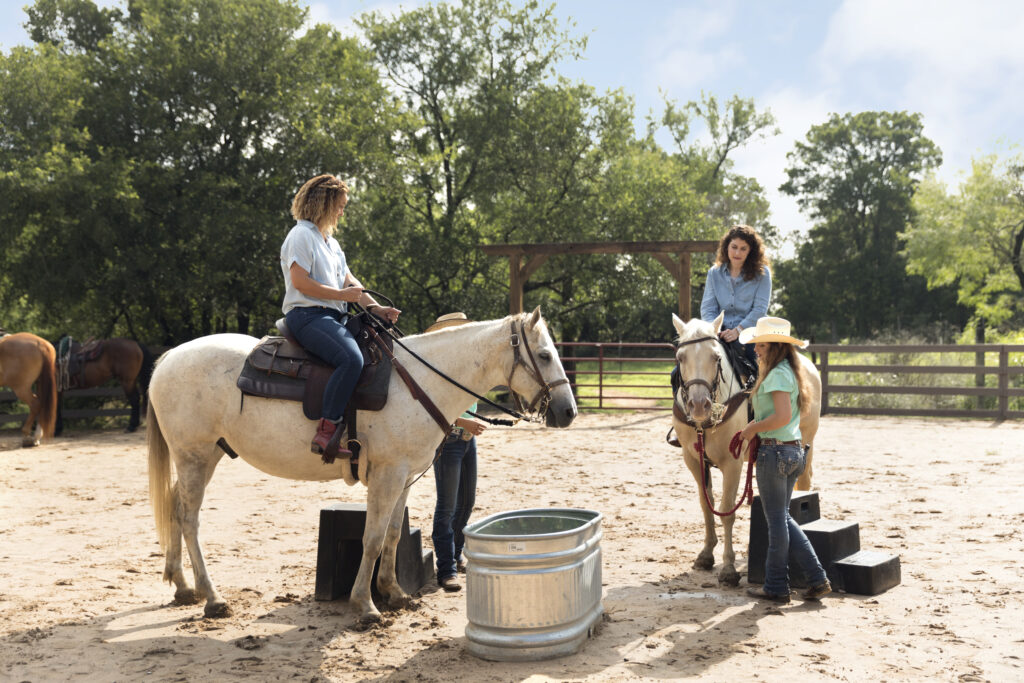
x=97, y=362
x=26, y=359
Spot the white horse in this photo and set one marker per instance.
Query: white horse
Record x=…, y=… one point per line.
x=708, y=382
x=194, y=402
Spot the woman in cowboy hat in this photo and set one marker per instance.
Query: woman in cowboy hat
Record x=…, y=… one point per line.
x=455, y=478
x=778, y=396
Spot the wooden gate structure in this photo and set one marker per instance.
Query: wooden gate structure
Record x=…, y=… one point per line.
x=525, y=259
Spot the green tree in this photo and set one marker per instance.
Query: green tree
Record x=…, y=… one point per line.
x=182, y=128
x=972, y=240
x=855, y=176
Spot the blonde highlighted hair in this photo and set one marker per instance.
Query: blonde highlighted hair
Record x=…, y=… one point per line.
x=320, y=198
x=778, y=352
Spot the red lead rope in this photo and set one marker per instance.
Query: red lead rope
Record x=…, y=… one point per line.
x=736, y=448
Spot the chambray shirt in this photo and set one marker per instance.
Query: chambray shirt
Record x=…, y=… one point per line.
x=781, y=378
x=744, y=301
x=322, y=259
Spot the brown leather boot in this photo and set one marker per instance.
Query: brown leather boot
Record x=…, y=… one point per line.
x=326, y=433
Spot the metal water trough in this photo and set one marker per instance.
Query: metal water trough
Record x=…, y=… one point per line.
x=533, y=583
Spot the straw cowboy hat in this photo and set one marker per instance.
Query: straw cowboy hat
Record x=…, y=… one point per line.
x=770, y=330
x=447, y=320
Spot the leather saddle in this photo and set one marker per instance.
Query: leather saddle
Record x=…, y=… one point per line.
x=72, y=357
x=278, y=367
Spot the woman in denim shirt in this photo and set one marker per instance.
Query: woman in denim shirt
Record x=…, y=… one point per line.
x=318, y=289
x=740, y=284
x=780, y=392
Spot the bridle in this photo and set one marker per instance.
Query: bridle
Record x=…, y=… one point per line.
x=719, y=412
x=538, y=405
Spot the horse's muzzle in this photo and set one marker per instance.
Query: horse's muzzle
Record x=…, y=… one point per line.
x=560, y=413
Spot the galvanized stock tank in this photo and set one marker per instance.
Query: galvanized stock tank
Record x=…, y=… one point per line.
x=533, y=583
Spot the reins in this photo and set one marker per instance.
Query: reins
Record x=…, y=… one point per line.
x=736, y=448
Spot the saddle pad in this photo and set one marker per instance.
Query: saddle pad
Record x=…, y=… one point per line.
x=279, y=368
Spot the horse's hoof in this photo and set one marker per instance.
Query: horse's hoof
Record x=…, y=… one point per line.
x=29, y=442
x=729, y=577
x=217, y=610
x=702, y=562
x=129, y=430
x=185, y=596
x=370, y=618
x=399, y=602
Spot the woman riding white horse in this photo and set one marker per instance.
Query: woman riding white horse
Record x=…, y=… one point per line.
x=194, y=403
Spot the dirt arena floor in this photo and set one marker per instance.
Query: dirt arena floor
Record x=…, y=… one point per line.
x=81, y=596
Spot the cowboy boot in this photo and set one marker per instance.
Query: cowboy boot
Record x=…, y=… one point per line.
x=327, y=441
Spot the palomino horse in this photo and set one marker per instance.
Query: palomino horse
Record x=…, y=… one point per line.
x=193, y=403
x=124, y=360
x=708, y=384
x=24, y=359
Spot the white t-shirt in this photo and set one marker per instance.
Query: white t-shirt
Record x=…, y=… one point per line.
x=322, y=259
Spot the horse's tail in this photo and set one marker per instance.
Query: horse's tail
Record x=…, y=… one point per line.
x=46, y=390
x=161, y=496
x=145, y=373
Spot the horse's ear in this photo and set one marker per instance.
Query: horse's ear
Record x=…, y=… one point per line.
x=534, y=318
x=717, y=325
x=678, y=323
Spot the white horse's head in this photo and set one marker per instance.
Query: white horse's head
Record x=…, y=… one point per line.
x=544, y=380
x=700, y=360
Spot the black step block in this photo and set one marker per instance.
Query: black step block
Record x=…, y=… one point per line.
x=830, y=539
x=867, y=572
x=340, y=550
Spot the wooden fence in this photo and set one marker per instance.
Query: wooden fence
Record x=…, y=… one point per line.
x=8, y=399
x=608, y=361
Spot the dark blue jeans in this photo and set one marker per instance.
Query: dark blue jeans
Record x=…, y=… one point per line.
x=777, y=470
x=455, y=477
x=320, y=331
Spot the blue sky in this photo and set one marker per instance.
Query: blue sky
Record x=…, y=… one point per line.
x=954, y=62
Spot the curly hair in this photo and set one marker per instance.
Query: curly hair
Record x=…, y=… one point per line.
x=318, y=198
x=757, y=258
x=778, y=352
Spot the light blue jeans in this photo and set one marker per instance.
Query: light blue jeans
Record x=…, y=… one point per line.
x=455, y=477
x=778, y=467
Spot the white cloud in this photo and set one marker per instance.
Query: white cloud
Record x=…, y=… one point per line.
x=692, y=48
x=765, y=160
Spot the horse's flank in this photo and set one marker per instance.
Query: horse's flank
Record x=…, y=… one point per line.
x=26, y=359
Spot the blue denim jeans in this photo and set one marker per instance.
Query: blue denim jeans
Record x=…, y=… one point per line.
x=455, y=477
x=321, y=332
x=777, y=470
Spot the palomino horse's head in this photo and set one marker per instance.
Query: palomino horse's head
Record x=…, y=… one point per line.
x=700, y=359
x=542, y=384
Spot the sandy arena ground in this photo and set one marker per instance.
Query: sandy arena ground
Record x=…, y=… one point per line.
x=81, y=596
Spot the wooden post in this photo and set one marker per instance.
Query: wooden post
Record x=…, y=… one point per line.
x=515, y=285
x=684, y=286
x=824, y=382
x=1004, y=382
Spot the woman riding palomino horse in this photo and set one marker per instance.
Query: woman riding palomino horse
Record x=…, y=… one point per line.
x=705, y=429
x=740, y=286
x=399, y=441
x=26, y=359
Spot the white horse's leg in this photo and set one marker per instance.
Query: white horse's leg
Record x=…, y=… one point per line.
x=387, y=580
x=173, y=570
x=706, y=558
x=194, y=472
x=386, y=485
x=730, y=482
